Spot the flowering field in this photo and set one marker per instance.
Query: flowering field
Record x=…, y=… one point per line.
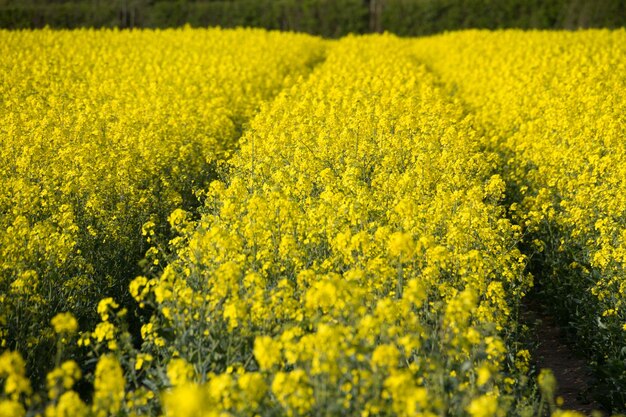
x=241, y=223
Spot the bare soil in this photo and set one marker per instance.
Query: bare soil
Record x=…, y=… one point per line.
x=553, y=351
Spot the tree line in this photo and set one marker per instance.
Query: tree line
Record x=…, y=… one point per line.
x=330, y=18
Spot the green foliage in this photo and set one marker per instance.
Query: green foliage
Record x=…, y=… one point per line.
x=322, y=17
x=419, y=17
x=330, y=18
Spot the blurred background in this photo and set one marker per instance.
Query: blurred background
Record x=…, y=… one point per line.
x=330, y=18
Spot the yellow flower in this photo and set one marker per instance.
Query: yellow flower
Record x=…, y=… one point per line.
x=13, y=371
x=483, y=406
x=484, y=375
x=108, y=386
x=266, y=352
x=62, y=378
x=10, y=408
x=567, y=413
x=232, y=314
x=104, y=331
x=64, y=323
x=408, y=398
x=253, y=386
x=323, y=295
x=68, y=405
x=547, y=383
x=177, y=218
x=293, y=392
x=401, y=245
x=105, y=307
x=220, y=390
x=385, y=356
x=179, y=372
x=185, y=401
x=139, y=288
x=522, y=360
x=141, y=359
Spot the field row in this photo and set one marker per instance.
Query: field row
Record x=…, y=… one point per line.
x=332, y=271
x=555, y=108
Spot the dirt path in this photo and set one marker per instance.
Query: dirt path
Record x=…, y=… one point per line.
x=553, y=351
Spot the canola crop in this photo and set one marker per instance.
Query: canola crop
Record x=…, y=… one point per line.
x=555, y=104
x=332, y=270
x=325, y=227
x=103, y=132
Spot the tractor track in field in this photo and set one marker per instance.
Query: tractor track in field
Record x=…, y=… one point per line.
x=554, y=351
